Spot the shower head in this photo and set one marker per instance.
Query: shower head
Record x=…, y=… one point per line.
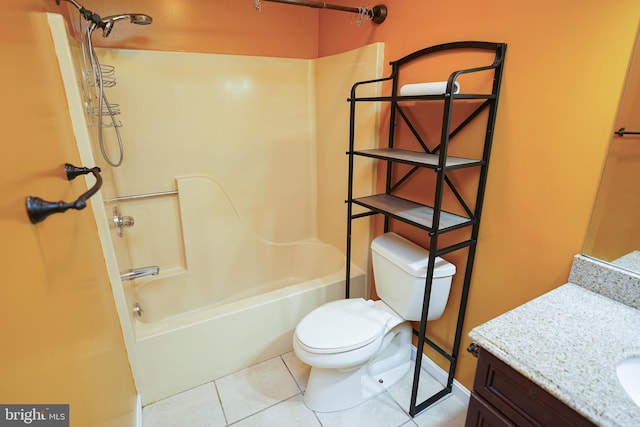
x=107, y=22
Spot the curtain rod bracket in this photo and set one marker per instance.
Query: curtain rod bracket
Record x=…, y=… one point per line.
x=379, y=13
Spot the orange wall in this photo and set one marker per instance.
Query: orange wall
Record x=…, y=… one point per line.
x=564, y=74
x=565, y=69
x=61, y=338
x=220, y=26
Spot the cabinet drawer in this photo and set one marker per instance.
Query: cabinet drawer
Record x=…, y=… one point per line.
x=481, y=414
x=518, y=399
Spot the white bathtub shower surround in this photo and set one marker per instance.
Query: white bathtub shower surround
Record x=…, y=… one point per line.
x=248, y=247
x=259, y=126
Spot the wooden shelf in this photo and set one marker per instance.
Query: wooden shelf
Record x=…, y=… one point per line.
x=417, y=158
x=414, y=213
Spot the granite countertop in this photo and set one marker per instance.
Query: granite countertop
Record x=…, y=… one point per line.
x=568, y=341
x=630, y=261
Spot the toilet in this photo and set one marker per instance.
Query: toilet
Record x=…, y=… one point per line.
x=358, y=348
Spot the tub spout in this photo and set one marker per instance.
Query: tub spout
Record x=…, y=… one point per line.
x=136, y=273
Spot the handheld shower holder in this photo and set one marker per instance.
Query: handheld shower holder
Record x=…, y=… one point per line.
x=87, y=14
x=98, y=77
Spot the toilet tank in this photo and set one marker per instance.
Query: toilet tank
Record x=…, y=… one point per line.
x=400, y=271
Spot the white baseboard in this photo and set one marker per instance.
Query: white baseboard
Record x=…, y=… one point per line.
x=139, y=411
x=441, y=376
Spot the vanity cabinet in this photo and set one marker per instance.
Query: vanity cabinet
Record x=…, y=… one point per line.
x=502, y=396
x=422, y=125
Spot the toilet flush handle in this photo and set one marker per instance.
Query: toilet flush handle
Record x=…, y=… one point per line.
x=473, y=349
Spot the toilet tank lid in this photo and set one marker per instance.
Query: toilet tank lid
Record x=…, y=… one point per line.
x=409, y=256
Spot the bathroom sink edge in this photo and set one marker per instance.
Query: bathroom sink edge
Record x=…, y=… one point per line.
x=628, y=374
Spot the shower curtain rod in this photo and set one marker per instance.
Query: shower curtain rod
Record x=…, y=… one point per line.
x=377, y=13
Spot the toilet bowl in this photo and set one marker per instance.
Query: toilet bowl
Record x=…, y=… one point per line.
x=358, y=348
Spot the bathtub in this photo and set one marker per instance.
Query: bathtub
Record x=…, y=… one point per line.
x=168, y=299
x=178, y=352
x=237, y=301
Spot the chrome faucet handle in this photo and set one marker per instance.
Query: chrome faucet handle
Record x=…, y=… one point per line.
x=120, y=222
x=125, y=221
x=137, y=310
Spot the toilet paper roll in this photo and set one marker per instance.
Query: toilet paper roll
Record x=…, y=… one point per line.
x=431, y=88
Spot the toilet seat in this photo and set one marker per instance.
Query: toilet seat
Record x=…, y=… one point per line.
x=342, y=326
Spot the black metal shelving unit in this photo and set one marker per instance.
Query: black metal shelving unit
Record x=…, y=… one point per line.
x=431, y=218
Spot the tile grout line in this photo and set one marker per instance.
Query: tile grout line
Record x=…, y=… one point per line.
x=398, y=404
x=264, y=409
x=291, y=373
x=224, y=413
x=315, y=414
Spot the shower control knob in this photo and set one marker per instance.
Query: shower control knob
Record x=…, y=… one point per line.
x=137, y=310
x=120, y=222
x=126, y=221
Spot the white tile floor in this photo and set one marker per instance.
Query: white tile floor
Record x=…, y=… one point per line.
x=270, y=394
